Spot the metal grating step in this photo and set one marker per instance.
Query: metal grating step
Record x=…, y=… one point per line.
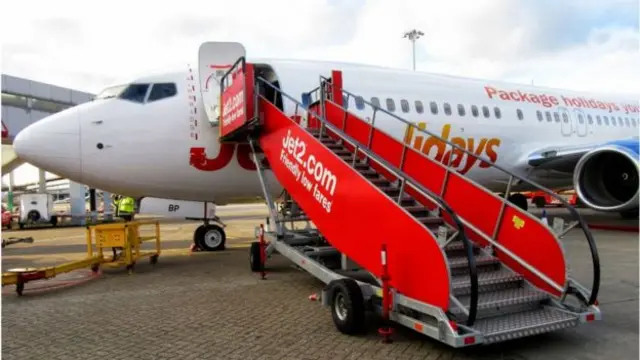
x=320, y=250
x=430, y=220
x=487, y=281
x=526, y=323
x=461, y=261
x=500, y=299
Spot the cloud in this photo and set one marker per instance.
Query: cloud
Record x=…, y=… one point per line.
x=577, y=44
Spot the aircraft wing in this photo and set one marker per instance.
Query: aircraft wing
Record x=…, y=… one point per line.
x=564, y=158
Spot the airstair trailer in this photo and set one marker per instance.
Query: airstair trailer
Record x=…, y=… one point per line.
x=434, y=261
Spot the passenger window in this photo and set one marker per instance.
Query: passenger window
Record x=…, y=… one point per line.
x=620, y=122
x=404, y=105
x=461, y=111
x=580, y=119
x=447, y=109
x=626, y=121
x=548, y=116
x=391, y=105
x=565, y=118
x=474, y=111
x=497, y=113
x=633, y=122
x=419, y=107
x=520, y=114
x=613, y=121
x=599, y=120
x=162, y=91
x=359, y=103
x=606, y=120
x=590, y=119
x=556, y=117
x=485, y=111
x=135, y=93
x=539, y=113
x=375, y=101
x=434, y=107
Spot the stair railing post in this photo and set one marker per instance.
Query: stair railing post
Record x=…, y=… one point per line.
x=502, y=207
x=385, y=330
x=263, y=253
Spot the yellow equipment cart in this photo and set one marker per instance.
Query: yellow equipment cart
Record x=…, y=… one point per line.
x=123, y=239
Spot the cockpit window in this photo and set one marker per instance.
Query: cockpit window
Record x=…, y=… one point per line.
x=162, y=91
x=111, y=92
x=135, y=93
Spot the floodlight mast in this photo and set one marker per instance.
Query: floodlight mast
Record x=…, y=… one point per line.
x=413, y=35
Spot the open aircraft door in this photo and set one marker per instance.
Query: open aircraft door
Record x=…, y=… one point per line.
x=214, y=60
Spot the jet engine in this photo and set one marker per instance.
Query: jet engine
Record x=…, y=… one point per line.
x=606, y=179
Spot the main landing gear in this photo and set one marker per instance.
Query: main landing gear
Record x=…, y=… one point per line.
x=210, y=237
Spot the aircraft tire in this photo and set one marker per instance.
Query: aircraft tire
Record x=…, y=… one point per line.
x=539, y=202
x=210, y=238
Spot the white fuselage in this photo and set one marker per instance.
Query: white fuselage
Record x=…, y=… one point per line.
x=143, y=149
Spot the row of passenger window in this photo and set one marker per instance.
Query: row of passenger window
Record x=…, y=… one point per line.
x=555, y=116
x=486, y=112
x=434, y=108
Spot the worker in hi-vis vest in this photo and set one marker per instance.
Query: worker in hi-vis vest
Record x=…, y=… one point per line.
x=125, y=207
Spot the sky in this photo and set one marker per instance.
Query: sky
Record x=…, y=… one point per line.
x=590, y=45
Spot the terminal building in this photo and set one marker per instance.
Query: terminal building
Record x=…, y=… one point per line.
x=24, y=102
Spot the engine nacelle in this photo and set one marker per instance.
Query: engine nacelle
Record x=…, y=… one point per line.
x=606, y=179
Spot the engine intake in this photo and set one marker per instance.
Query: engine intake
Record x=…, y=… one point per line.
x=606, y=179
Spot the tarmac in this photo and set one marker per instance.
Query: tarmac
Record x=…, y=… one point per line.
x=211, y=306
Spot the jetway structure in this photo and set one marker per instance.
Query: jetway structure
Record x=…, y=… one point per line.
x=445, y=256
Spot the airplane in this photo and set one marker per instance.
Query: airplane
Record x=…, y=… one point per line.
x=140, y=137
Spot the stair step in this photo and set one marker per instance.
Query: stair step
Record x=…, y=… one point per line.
x=380, y=181
x=320, y=250
x=416, y=209
x=368, y=173
x=430, y=220
x=526, y=323
x=334, y=146
x=390, y=190
x=489, y=303
x=461, y=261
x=487, y=281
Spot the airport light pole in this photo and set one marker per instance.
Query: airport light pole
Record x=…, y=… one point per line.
x=413, y=35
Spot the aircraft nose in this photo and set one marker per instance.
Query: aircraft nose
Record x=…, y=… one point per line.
x=53, y=144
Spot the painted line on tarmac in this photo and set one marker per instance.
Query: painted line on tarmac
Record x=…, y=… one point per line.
x=81, y=255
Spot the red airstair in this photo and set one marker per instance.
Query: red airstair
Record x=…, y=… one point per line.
x=395, y=231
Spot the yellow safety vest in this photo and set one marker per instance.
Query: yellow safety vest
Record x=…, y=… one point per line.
x=126, y=205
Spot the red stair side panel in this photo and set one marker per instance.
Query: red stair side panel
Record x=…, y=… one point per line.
x=351, y=218
x=471, y=202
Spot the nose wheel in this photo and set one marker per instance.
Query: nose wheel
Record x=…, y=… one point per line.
x=210, y=238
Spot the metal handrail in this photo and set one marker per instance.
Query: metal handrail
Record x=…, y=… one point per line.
x=591, y=242
x=473, y=274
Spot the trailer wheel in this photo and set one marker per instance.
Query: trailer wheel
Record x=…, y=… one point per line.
x=347, y=306
x=254, y=257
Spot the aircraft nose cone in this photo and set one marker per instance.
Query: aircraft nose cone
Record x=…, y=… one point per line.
x=52, y=144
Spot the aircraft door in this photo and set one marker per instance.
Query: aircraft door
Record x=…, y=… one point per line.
x=566, y=121
x=580, y=122
x=214, y=60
